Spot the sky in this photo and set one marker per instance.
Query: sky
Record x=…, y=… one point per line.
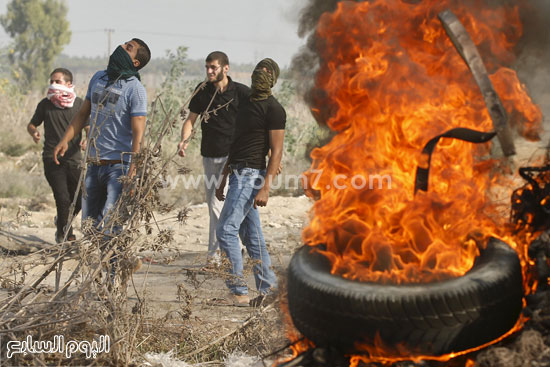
x=247, y=30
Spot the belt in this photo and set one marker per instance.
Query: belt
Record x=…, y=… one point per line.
x=106, y=162
x=237, y=166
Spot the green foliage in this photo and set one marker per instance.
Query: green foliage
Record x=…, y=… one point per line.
x=23, y=185
x=17, y=110
x=302, y=133
x=83, y=64
x=177, y=88
x=175, y=91
x=14, y=149
x=40, y=30
x=174, y=79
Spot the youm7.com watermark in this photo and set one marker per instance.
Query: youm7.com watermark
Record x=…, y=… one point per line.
x=286, y=182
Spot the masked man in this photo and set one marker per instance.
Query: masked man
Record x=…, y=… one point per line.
x=116, y=105
x=56, y=112
x=259, y=128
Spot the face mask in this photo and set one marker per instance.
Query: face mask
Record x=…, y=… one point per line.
x=261, y=85
x=61, y=96
x=121, y=65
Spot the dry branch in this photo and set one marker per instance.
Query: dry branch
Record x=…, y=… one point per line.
x=248, y=321
x=91, y=296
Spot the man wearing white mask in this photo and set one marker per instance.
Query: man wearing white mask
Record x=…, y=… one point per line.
x=56, y=112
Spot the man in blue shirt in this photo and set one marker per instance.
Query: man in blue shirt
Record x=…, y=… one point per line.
x=116, y=106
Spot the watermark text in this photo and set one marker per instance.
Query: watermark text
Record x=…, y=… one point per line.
x=59, y=345
x=313, y=180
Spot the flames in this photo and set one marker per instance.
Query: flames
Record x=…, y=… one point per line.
x=389, y=80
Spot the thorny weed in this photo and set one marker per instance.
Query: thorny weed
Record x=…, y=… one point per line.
x=34, y=307
x=91, y=298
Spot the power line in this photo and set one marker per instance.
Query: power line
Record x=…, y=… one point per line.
x=87, y=30
x=168, y=34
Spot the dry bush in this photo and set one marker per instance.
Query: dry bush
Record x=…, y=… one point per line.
x=80, y=290
x=17, y=110
x=67, y=289
x=92, y=299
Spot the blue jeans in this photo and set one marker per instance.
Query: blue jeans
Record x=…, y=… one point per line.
x=102, y=191
x=239, y=218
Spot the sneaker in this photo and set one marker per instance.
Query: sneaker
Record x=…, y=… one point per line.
x=241, y=300
x=236, y=300
x=59, y=239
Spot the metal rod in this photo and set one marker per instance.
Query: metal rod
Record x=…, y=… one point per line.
x=469, y=52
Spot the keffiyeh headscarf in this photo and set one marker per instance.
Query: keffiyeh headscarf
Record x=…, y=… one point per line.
x=263, y=81
x=61, y=96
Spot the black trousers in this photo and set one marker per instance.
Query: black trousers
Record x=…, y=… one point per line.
x=63, y=180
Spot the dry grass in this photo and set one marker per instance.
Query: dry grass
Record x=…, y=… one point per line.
x=67, y=290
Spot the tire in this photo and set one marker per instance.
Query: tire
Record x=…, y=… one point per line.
x=428, y=319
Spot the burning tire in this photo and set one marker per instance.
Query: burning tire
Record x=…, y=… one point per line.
x=427, y=319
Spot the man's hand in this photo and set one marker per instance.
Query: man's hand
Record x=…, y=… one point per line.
x=132, y=170
x=261, y=197
x=33, y=132
x=181, y=148
x=60, y=149
x=219, y=191
x=129, y=185
x=186, y=132
x=280, y=169
x=36, y=136
x=83, y=144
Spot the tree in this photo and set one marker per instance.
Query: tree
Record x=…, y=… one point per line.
x=40, y=30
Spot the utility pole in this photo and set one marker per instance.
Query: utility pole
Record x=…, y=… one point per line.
x=109, y=32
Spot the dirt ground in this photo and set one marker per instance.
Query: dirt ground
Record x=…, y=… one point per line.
x=168, y=276
x=24, y=229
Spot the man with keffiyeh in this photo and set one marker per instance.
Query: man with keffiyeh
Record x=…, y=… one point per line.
x=259, y=128
x=116, y=106
x=56, y=112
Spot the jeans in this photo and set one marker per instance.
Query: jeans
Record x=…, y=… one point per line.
x=102, y=192
x=213, y=168
x=239, y=218
x=63, y=180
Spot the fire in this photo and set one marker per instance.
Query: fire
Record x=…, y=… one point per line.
x=390, y=79
x=379, y=353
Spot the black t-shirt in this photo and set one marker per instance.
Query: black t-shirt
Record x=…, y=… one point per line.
x=217, y=130
x=254, y=120
x=56, y=120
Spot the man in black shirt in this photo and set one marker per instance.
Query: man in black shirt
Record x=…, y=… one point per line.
x=260, y=127
x=57, y=111
x=217, y=103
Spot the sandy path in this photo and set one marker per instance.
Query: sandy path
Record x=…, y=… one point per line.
x=282, y=222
